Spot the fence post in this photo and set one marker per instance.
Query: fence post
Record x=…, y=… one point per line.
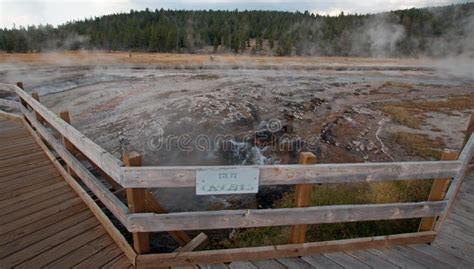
x=438, y=191
x=137, y=204
x=35, y=96
x=20, y=85
x=469, y=130
x=302, y=199
x=64, y=115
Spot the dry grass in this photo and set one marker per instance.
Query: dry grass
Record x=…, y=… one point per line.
x=104, y=58
x=402, y=116
x=402, y=85
x=419, y=145
x=410, y=113
x=340, y=194
x=461, y=102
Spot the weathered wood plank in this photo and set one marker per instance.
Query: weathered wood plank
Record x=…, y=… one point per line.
x=438, y=191
x=82, y=253
x=137, y=204
x=397, y=258
x=37, y=225
x=99, y=156
x=98, y=213
x=259, y=253
x=320, y=261
x=154, y=206
x=38, y=206
x=422, y=258
x=9, y=104
x=178, y=176
x=223, y=219
x=294, y=262
x=242, y=265
x=60, y=250
x=371, y=259
x=302, y=199
x=346, y=260
x=10, y=116
x=100, y=258
x=105, y=196
x=267, y=264
x=442, y=255
x=465, y=157
x=197, y=243
x=13, y=247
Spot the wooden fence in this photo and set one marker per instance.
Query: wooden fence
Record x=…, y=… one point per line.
x=144, y=214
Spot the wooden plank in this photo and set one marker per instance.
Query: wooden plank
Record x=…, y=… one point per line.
x=16, y=186
x=36, y=207
x=26, y=178
x=62, y=249
x=397, y=258
x=197, y=243
x=82, y=253
x=21, y=159
x=346, y=260
x=99, y=214
x=438, y=191
x=302, y=199
x=371, y=259
x=154, y=206
x=42, y=234
x=28, y=195
x=469, y=130
x=293, y=262
x=223, y=219
x=442, y=255
x=320, y=261
x=10, y=116
x=214, y=266
x=422, y=258
x=99, y=156
x=242, y=265
x=179, y=176
x=105, y=196
x=43, y=245
x=137, y=204
x=259, y=253
x=23, y=167
x=100, y=258
x=117, y=263
x=9, y=104
x=465, y=157
x=40, y=224
x=267, y=264
x=45, y=181
x=38, y=215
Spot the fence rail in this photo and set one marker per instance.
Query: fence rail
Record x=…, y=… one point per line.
x=143, y=215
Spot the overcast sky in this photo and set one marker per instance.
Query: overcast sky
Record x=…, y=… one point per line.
x=29, y=12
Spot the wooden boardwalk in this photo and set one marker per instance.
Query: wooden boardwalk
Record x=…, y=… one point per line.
x=453, y=247
x=43, y=222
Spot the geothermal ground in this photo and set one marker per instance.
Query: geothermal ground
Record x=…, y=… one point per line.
x=174, y=109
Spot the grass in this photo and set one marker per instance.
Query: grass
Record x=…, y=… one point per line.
x=402, y=116
x=410, y=113
x=340, y=194
x=419, y=145
x=402, y=85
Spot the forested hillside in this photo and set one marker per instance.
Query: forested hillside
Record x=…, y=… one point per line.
x=440, y=31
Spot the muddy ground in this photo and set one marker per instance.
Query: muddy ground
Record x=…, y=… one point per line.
x=175, y=112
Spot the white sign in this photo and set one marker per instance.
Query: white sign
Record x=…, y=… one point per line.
x=227, y=181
